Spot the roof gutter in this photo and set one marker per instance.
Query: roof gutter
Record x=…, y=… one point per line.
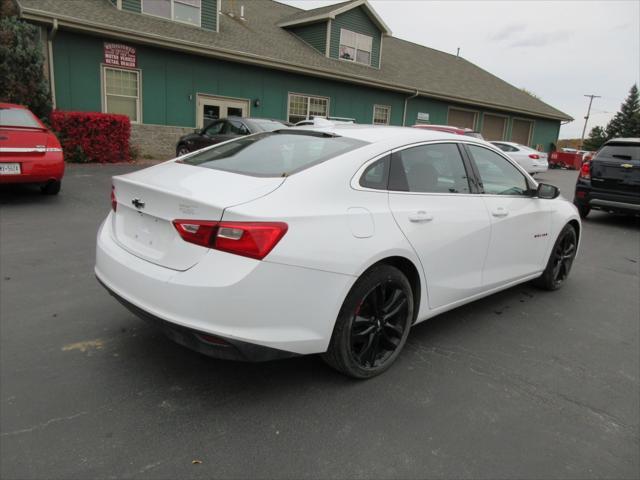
x=404, y=112
x=253, y=59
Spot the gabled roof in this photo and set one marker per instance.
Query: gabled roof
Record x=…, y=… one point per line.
x=406, y=67
x=330, y=12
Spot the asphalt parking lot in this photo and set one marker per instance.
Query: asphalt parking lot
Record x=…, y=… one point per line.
x=523, y=384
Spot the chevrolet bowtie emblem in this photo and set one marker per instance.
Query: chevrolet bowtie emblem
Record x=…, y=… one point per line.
x=626, y=165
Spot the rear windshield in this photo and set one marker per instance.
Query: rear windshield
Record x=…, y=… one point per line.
x=273, y=154
x=17, y=117
x=619, y=152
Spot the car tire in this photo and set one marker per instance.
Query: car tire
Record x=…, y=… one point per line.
x=51, y=188
x=583, y=210
x=182, y=149
x=373, y=323
x=560, y=261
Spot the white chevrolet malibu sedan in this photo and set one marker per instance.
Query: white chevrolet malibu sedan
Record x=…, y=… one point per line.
x=332, y=240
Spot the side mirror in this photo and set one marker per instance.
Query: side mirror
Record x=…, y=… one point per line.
x=547, y=192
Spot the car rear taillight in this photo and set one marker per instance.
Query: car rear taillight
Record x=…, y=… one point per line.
x=114, y=201
x=535, y=156
x=249, y=239
x=585, y=170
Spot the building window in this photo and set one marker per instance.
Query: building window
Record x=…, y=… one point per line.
x=381, y=114
x=355, y=47
x=186, y=11
x=121, y=91
x=303, y=107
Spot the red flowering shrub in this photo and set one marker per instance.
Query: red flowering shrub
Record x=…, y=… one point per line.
x=92, y=136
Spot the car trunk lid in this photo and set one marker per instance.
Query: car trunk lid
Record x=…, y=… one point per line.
x=149, y=200
x=18, y=143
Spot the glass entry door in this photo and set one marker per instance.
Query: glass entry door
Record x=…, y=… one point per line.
x=211, y=108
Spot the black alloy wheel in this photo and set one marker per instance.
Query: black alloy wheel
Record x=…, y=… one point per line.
x=373, y=323
x=378, y=324
x=561, y=259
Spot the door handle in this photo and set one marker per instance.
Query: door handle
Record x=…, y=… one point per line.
x=420, y=217
x=500, y=212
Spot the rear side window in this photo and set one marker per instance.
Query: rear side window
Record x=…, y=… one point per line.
x=376, y=175
x=619, y=152
x=273, y=154
x=17, y=117
x=436, y=168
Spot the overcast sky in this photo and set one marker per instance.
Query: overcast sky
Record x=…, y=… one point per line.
x=559, y=50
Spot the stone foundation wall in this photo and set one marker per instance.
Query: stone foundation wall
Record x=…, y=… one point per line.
x=156, y=141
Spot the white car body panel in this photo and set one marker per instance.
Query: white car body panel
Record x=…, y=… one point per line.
x=336, y=230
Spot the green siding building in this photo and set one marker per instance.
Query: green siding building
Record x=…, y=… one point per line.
x=174, y=65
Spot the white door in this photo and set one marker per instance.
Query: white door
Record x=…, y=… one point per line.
x=520, y=224
x=213, y=108
x=446, y=224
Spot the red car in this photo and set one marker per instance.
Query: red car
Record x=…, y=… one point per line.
x=451, y=129
x=29, y=151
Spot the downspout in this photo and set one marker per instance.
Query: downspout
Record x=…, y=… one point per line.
x=404, y=113
x=52, y=80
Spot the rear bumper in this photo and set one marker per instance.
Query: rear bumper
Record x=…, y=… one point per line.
x=202, y=342
x=247, y=303
x=586, y=196
x=35, y=170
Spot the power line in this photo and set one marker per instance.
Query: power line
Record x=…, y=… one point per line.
x=586, y=118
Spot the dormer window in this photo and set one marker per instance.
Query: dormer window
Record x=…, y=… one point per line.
x=185, y=11
x=355, y=47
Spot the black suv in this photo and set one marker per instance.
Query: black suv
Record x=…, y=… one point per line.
x=225, y=129
x=611, y=180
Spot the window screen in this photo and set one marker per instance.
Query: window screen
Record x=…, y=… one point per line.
x=121, y=92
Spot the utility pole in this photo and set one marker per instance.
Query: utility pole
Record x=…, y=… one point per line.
x=586, y=119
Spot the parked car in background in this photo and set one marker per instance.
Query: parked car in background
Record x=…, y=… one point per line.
x=225, y=129
x=450, y=129
x=528, y=158
x=317, y=240
x=29, y=152
x=611, y=180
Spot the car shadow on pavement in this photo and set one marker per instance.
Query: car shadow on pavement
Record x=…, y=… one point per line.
x=146, y=353
x=612, y=219
x=25, y=194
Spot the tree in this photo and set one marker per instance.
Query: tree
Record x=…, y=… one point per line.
x=597, y=137
x=21, y=66
x=626, y=122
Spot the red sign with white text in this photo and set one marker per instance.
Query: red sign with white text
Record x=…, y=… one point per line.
x=120, y=55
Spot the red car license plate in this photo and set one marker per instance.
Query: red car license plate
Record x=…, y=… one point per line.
x=9, y=169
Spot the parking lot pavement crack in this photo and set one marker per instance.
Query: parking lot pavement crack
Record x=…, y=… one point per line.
x=42, y=426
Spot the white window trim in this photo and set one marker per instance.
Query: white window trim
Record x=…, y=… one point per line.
x=385, y=107
x=173, y=19
x=103, y=87
x=308, y=97
x=355, y=48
